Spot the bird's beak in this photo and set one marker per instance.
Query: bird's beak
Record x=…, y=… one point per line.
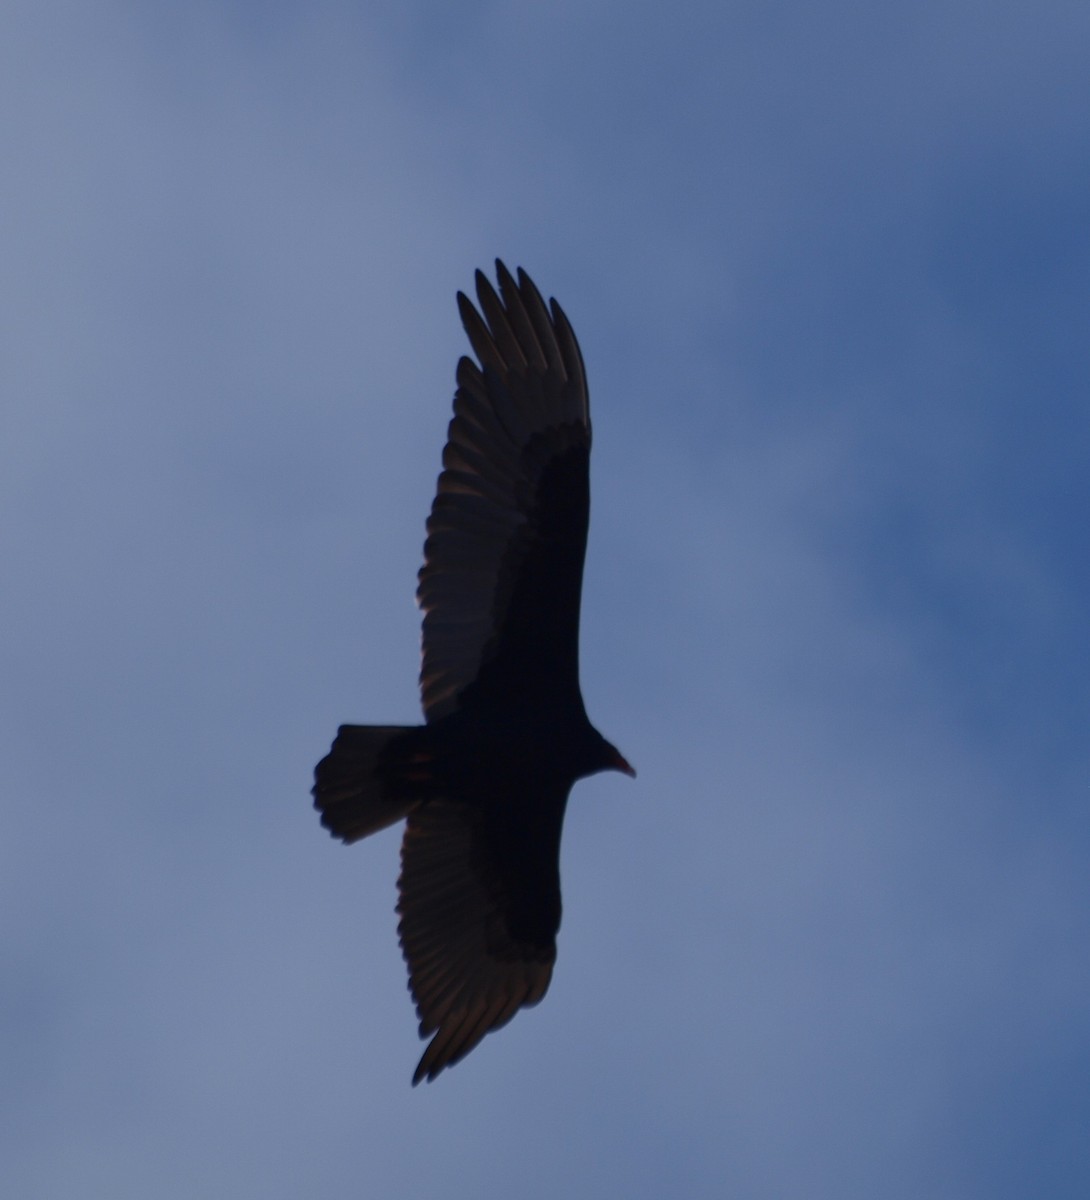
x=619, y=763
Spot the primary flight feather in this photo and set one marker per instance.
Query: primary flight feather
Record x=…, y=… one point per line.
x=484, y=783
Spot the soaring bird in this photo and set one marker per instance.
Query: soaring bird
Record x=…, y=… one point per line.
x=484, y=783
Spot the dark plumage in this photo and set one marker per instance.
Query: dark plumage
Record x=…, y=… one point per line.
x=484, y=783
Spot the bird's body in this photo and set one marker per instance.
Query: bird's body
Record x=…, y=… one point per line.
x=484, y=783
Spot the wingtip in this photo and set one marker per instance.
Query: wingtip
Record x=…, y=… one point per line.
x=426, y=1072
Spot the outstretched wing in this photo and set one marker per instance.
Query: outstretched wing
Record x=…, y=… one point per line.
x=479, y=914
x=503, y=560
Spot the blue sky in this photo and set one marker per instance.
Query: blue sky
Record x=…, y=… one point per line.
x=828, y=265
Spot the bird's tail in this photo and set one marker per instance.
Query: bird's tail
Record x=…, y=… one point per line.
x=371, y=777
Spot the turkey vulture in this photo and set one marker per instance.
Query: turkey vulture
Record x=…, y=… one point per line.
x=484, y=782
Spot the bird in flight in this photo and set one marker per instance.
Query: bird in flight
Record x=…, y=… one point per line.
x=484, y=783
